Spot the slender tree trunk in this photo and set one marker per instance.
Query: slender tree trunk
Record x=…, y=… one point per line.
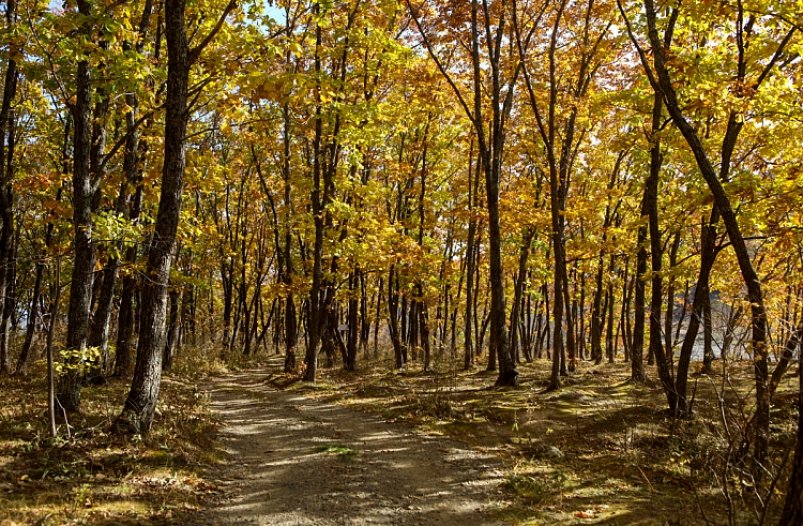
x=393, y=320
x=7, y=233
x=524, y=253
x=670, y=307
x=350, y=363
x=140, y=405
x=597, y=312
x=51, y=333
x=315, y=304
x=637, y=350
x=173, y=328
x=126, y=315
x=662, y=355
x=132, y=171
x=100, y=326
x=468, y=351
x=708, y=328
x=69, y=389
x=708, y=255
x=793, y=507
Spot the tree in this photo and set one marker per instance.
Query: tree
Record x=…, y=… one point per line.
x=661, y=77
x=85, y=189
x=560, y=134
x=140, y=405
x=489, y=118
x=7, y=231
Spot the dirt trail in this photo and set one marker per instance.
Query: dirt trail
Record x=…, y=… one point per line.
x=294, y=461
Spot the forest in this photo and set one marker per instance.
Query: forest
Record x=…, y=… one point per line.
x=552, y=249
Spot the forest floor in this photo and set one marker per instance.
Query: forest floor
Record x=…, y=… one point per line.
x=251, y=445
x=298, y=461
x=601, y=450
x=91, y=476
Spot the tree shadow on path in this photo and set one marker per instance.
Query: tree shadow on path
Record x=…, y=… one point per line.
x=294, y=461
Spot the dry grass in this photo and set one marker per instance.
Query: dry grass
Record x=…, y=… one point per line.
x=94, y=477
x=601, y=450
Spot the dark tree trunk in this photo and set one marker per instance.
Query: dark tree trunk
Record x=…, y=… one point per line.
x=140, y=405
x=670, y=307
x=708, y=256
x=126, y=315
x=132, y=173
x=315, y=304
x=597, y=312
x=378, y=317
x=423, y=320
x=7, y=257
x=662, y=355
x=524, y=254
x=637, y=350
x=610, y=343
x=793, y=507
x=581, y=313
x=173, y=330
x=570, y=335
x=350, y=363
x=468, y=351
x=752, y=282
x=101, y=320
x=139, y=408
x=399, y=354
x=69, y=388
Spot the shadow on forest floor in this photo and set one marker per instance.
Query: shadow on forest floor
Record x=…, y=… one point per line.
x=92, y=476
x=294, y=461
x=601, y=450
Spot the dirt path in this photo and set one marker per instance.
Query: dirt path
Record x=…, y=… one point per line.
x=294, y=461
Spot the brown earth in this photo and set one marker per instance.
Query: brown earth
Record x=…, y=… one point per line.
x=293, y=460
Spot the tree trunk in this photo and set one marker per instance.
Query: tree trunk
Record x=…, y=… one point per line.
x=637, y=350
x=316, y=313
x=173, y=330
x=662, y=355
x=139, y=408
x=101, y=320
x=670, y=306
x=399, y=354
x=132, y=173
x=524, y=253
x=350, y=363
x=723, y=204
x=125, y=317
x=7, y=257
x=793, y=507
x=69, y=389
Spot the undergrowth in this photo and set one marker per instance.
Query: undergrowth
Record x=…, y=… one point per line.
x=87, y=475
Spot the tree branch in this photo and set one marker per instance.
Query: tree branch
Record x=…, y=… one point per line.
x=196, y=51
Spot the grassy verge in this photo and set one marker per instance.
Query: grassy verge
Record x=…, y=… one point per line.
x=94, y=477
